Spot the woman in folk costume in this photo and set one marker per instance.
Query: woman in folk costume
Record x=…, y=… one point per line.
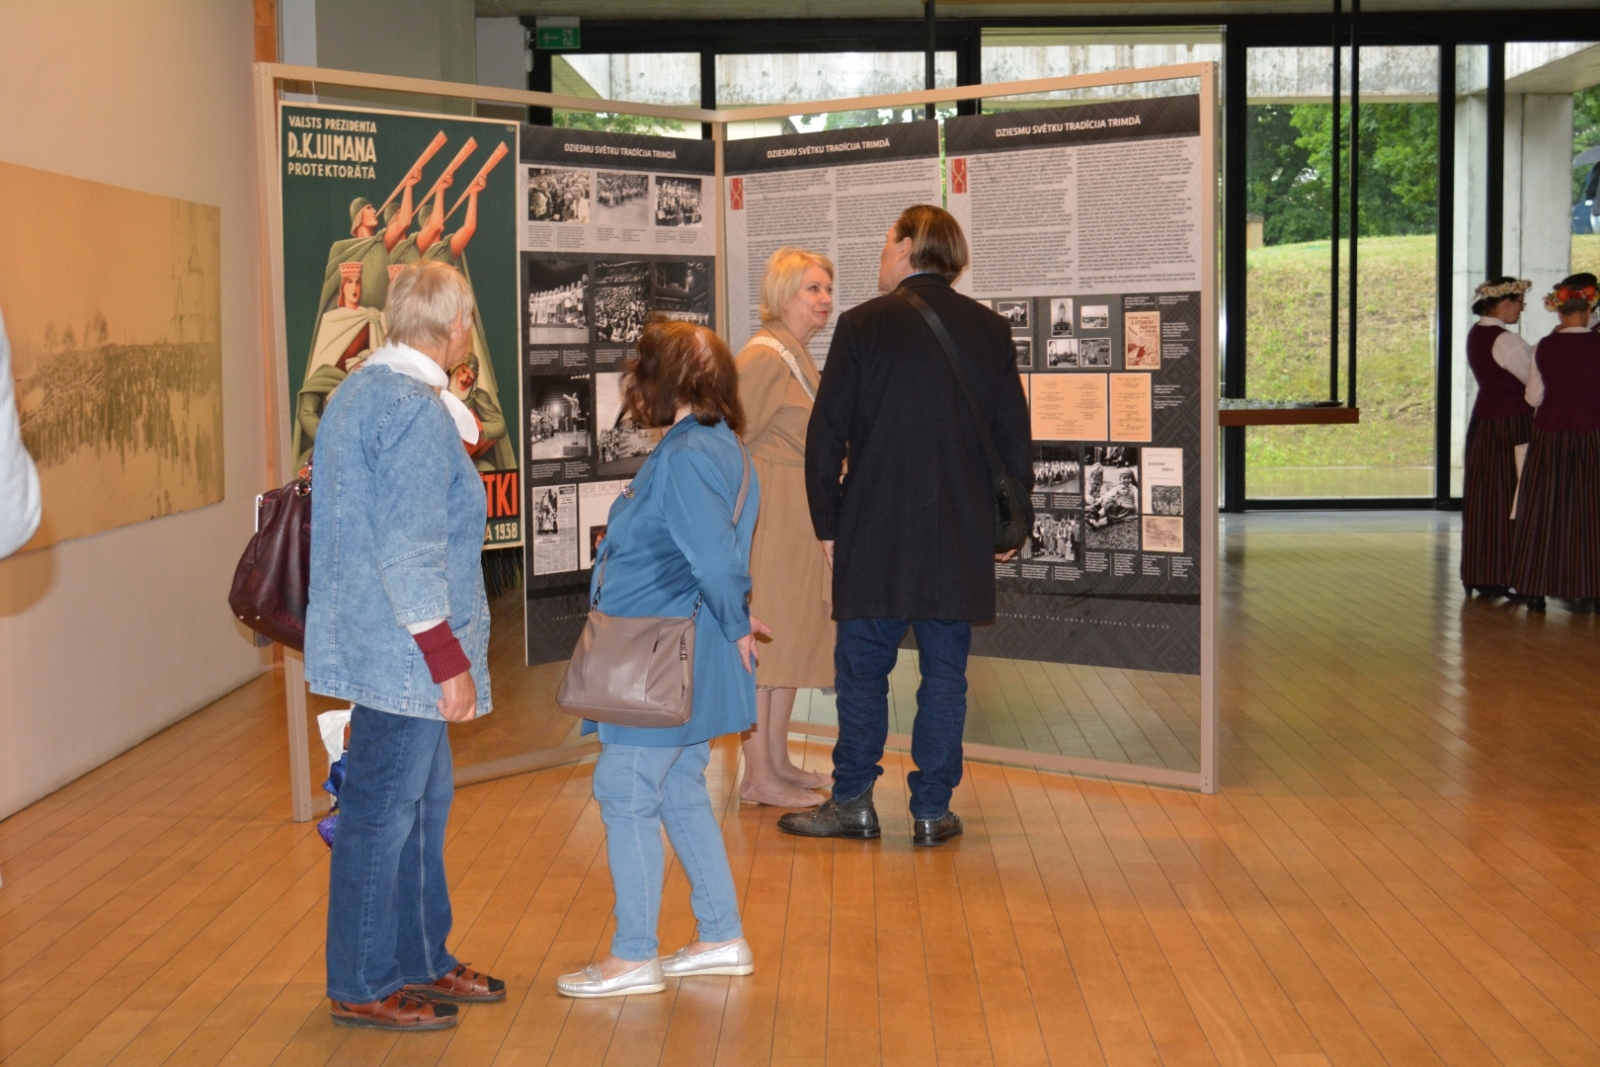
x=1501, y=420
x=790, y=579
x=346, y=334
x=1557, y=546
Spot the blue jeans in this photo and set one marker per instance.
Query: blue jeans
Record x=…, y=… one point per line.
x=863, y=656
x=641, y=789
x=388, y=904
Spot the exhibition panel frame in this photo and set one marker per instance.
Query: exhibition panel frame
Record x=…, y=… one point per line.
x=1137, y=331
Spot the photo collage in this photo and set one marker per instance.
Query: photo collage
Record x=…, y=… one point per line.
x=1108, y=496
x=582, y=315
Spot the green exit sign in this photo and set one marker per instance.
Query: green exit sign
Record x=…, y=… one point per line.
x=558, y=35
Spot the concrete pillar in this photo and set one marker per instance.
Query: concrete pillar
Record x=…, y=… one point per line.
x=413, y=38
x=1538, y=198
x=1470, y=245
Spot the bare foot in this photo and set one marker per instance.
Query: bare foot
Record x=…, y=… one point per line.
x=780, y=795
x=801, y=778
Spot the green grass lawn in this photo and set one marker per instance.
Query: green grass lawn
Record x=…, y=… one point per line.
x=1391, y=451
x=1287, y=341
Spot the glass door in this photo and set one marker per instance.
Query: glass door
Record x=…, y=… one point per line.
x=1291, y=262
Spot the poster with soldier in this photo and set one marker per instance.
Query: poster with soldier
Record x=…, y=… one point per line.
x=366, y=193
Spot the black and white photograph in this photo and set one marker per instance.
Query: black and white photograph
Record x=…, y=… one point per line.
x=1061, y=354
x=1094, y=352
x=621, y=199
x=621, y=300
x=678, y=201
x=1024, y=347
x=1016, y=313
x=558, y=194
x=1061, y=316
x=1095, y=317
x=558, y=309
x=1111, y=497
x=1057, y=469
x=683, y=290
x=1166, y=500
x=546, y=511
x=560, y=416
x=1055, y=539
x=622, y=445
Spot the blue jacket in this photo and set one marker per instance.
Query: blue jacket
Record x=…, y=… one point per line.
x=397, y=514
x=672, y=541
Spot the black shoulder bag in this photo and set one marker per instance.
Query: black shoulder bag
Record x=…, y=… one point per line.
x=1010, y=524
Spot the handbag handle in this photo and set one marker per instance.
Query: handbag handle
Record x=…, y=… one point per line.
x=738, y=510
x=997, y=469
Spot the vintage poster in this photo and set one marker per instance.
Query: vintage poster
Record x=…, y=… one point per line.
x=834, y=192
x=612, y=229
x=1086, y=227
x=113, y=303
x=364, y=194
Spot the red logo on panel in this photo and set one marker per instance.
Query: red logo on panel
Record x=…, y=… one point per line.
x=736, y=194
x=958, y=175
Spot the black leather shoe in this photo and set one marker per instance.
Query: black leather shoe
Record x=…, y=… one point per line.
x=854, y=818
x=930, y=832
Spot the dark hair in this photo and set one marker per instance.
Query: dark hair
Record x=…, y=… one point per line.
x=679, y=364
x=1489, y=303
x=937, y=243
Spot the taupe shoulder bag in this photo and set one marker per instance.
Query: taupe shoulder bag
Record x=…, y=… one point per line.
x=635, y=671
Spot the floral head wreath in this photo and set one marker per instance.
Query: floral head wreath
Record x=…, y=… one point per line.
x=1563, y=293
x=1493, y=291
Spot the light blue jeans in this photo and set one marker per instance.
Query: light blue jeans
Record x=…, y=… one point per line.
x=640, y=790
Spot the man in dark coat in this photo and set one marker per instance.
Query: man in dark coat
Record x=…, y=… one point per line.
x=910, y=529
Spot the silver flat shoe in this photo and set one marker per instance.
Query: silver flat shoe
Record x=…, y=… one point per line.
x=645, y=978
x=729, y=959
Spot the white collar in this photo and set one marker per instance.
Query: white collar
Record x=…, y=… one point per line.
x=1490, y=320
x=403, y=359
x=1573, y=329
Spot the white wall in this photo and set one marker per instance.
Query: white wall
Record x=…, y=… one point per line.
x=107, y=639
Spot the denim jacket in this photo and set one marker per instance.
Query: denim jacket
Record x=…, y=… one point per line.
x=671, y=543
x=397, y=515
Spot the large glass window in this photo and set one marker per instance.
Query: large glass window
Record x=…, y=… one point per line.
x=670, y=78
x=1024, y=54
x=1290, y=190
x=798, y=78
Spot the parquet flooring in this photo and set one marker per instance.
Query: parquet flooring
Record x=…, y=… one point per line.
x=1403, y=867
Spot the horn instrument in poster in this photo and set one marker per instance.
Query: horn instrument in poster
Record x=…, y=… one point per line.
x=428, y=153
x=483, y=172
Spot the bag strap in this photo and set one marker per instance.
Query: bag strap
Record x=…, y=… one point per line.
x=738, y=510
x=788, y=357
x=997, y=469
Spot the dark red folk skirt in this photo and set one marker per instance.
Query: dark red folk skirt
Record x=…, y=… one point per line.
x=1557, y=546
x=1491, y=483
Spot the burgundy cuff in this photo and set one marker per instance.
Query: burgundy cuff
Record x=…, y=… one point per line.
x=444, y=654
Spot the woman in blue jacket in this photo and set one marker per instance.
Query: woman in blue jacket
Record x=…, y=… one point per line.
x=673, y=548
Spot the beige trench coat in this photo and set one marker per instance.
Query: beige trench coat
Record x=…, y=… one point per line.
x=791, y=583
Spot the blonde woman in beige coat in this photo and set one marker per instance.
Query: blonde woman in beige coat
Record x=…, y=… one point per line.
x=790, y=578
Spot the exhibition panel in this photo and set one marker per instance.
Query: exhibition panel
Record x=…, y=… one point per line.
x=1092, y=232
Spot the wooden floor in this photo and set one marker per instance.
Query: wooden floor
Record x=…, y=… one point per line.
x=1403, y=867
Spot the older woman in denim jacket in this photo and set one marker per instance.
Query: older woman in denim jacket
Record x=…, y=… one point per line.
x=398, y=623
x=672, y=548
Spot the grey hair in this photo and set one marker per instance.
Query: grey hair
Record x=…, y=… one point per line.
x=425, y=300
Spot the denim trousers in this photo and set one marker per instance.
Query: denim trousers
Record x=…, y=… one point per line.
x=864, y=653
x=640, y=790
x=388, y=903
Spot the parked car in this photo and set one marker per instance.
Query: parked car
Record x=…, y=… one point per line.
x=1586, y=212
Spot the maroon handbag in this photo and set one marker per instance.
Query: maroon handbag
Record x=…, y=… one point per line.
x=273, y=578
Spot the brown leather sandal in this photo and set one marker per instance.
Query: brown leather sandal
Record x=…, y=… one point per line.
x=397, y=1011
x=463, y=985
